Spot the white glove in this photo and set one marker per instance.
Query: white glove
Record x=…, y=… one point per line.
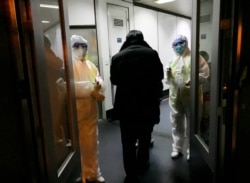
x=169, y=73
x=100, y=84
x=61, y=88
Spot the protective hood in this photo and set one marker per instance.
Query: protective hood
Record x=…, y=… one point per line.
x=180, y=44
x=79, y=47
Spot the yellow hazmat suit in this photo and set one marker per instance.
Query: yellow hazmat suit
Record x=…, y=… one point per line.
x=88, y=89
x=178, y=77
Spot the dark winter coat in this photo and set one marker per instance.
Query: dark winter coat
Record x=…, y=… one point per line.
x=137, y=72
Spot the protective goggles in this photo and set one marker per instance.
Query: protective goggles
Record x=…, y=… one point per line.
x=77, y=45
x=178, y=41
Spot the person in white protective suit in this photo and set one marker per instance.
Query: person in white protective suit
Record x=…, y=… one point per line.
x=178, y=75
x=89, y=88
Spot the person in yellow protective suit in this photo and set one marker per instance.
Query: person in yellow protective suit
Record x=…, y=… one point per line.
x=89, y=88
x=178, y=76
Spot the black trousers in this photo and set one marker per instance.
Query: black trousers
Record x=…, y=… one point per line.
x=131, y=130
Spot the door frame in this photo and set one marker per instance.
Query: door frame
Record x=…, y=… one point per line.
x=109, y=17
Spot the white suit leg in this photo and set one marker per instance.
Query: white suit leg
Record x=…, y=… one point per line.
x=88, y=138
x=178, y=130
x=188, y=134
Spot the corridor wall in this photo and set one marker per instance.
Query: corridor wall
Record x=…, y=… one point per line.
x=160, y=29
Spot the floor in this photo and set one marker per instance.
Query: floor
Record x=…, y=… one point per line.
x=162, y=170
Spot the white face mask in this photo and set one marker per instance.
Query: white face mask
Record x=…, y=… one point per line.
x=79, y=53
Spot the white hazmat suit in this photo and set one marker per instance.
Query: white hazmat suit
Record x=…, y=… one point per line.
x=178, y=77
x=89, y=90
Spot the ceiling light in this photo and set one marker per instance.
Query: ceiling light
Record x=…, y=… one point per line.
x=49, y=6
x=45, y=21
x=163, y=1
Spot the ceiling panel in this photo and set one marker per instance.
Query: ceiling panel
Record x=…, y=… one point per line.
x=181, y=7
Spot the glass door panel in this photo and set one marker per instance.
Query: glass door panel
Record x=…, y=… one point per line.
x=205, y=114
x=56, y=82
x=205, y=47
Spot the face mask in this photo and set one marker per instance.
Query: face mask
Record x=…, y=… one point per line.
x=79, y=53
x=179, y=49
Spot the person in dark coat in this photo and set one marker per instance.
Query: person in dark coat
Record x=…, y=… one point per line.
x=137, y=72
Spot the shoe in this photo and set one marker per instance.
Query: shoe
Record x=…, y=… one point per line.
x=69, y=144
x=99, y=179
x=188, y=154
x=131, y=179
x=152, y=142
x=137, y=143
x=176, y=154
x=78, y=180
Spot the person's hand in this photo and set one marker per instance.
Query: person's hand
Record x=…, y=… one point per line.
x=98, y=96
x=97, y=86
x=169, y=73
x=188, y=83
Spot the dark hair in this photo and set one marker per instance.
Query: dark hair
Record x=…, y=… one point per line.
x=134, y=37
x=205, y=55
x=46, y=42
